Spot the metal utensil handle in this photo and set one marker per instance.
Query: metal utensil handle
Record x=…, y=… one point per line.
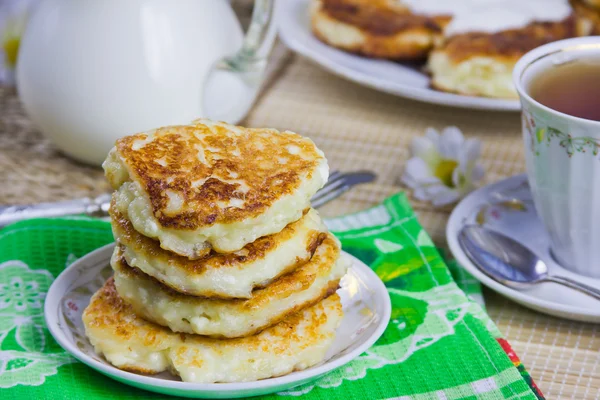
x=259, y=37
x=241, y=74
x=92, y=207
x=581, y=287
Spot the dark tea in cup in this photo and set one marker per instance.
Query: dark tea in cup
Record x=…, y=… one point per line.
x=572, y=88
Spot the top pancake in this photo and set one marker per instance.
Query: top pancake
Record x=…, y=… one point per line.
x=212, y=184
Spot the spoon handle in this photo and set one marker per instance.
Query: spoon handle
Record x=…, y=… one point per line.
x=583, y=288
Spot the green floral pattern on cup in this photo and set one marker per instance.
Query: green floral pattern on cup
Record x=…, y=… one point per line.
x=545, y=134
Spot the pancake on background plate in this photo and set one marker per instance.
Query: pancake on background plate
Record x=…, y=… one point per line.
x=593, y=3
x=376, y=28
x=481, y=64
x=131, y=343
x=588, y=13
x=211, y=185
x=232, y=318
x=232, y=275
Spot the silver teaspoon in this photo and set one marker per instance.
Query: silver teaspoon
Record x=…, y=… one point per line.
x=509, y=262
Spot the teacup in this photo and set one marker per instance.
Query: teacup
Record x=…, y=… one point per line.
x=562, y=154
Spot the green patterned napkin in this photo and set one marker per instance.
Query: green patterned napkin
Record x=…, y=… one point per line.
x=439, y=344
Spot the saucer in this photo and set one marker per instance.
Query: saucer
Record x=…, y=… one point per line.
x=507, y=207
x=364, y=297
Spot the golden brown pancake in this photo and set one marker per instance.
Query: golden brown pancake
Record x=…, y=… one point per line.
x=593, y=3
x=588, y=14
x=481, y=64
x=131, y=343
x=232, y=318
x=213, y=185
x=232, y=275
x=376, y=28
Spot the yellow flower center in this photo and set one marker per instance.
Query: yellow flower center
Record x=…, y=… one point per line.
x=444, y=171
x=11, y=49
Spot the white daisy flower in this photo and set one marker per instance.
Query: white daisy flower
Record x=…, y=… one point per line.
x=443, y=168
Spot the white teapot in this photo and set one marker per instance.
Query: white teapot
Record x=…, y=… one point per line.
x=91, y=71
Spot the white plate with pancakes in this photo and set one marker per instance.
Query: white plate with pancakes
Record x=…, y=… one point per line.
x=401, y=79
x=366, y=312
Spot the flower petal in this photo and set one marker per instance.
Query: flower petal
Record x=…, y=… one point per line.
x=420, y=194
x=432, y=135
x=408, y=181
x=417, y=169
x=472, y=149
x=426, y=148
x=421, y=145
x=469, y=155
x=458, y=178
x=435, y=190
x=413, y=183
x=429, y=190
x=451, y=143
x=447, y=197
x=453, y=132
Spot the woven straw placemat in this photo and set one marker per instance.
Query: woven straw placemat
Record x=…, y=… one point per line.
x=358, y=128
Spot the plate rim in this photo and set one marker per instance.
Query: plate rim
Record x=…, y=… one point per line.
x=427, y=95
x=454, y=224
x=54, y=296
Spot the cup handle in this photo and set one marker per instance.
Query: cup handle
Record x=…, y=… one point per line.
x=232, y=84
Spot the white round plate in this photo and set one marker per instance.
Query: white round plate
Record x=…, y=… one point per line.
x=507, y=207
x=70, y=293
x=392, y=77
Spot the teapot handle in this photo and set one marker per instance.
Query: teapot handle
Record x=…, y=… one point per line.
x=233, y=82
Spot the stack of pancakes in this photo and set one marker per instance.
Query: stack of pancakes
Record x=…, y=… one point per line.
x=222, y=271
x=474, y=63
